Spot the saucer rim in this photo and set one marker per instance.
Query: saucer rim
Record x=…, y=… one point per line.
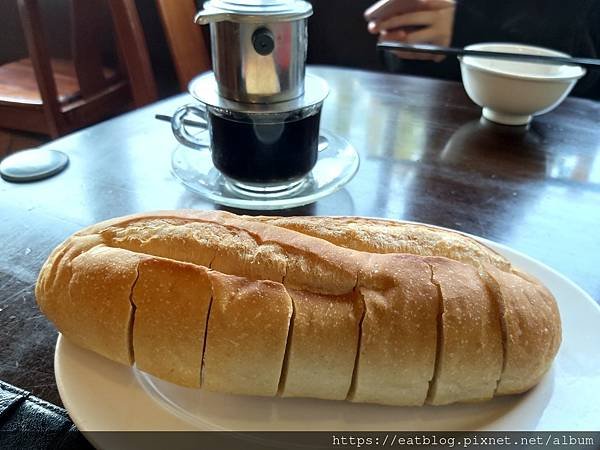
x=270, y=204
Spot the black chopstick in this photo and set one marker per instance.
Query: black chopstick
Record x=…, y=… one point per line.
x=589, y=63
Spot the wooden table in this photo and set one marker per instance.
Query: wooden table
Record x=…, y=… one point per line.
x=425, y=156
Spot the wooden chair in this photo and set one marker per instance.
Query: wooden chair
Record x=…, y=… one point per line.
x=189, y=49
x=52, y=96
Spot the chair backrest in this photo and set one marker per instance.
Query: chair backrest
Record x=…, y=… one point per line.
x=31, y=22
x=87, y=55
x=189, y=50
x=132, y=48
x=86, y=51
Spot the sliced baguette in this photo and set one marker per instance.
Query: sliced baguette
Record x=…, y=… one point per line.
x=363, y=309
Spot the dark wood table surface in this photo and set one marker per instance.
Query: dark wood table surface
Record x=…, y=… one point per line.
x=425, y=156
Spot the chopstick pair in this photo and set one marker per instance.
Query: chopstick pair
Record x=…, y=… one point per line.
x=588, y=63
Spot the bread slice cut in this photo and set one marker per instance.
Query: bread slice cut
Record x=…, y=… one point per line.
x=172, y=301
x=246, y=336
x=531, y=330
x=470, y=350
x=322, y=345
x=99, y=302
x=399, y=331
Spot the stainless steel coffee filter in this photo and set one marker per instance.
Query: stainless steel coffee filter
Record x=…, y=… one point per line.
x=258, y=48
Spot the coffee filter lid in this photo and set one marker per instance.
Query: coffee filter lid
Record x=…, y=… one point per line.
x=253, y=10
x=204, y=88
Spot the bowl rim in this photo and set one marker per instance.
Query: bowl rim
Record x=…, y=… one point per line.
x=506, y=74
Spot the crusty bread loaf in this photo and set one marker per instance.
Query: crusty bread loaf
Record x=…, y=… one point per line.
x=335, y=308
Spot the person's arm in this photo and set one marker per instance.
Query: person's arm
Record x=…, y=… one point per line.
x=431, y=22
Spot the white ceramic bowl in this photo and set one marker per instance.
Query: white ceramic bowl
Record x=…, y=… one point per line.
x=512, y=92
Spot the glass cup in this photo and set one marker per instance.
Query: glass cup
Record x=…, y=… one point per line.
x=255, y=152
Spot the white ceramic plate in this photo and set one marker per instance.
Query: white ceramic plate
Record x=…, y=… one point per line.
x=102, y=395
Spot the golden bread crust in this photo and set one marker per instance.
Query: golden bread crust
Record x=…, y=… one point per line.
x=340, y=308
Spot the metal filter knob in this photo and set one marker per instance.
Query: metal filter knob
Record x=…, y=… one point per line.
x=263, y=41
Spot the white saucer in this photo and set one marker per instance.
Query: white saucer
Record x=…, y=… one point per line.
x=102, y=395
x=336, y=165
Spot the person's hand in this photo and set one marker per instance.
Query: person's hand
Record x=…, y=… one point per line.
x=431, y=23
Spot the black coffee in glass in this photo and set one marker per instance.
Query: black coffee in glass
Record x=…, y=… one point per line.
x=265, y=149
